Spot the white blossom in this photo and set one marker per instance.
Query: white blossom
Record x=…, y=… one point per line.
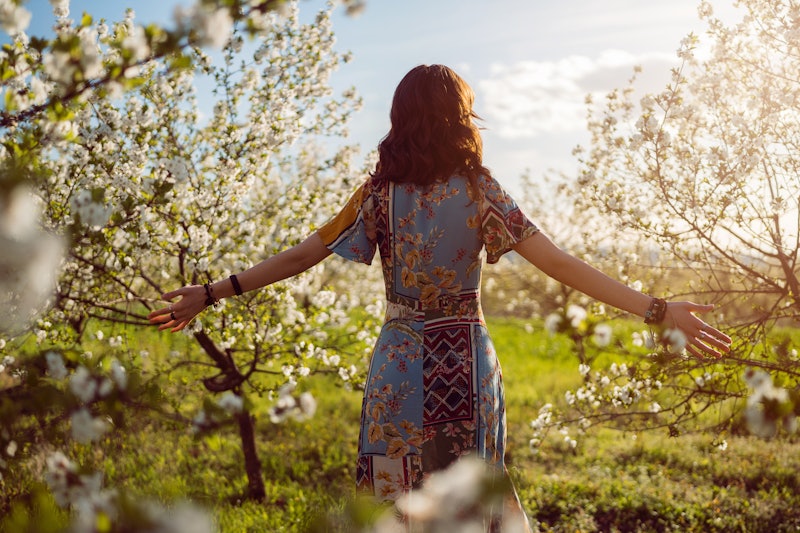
x=60, y=8
x=59, y=67
x=213, y=28
x=55, y=365
x=13, y=18
x=119, y=374
x=92, y=213
x=675, y=339
x=136, y=43
x=231, y=403
x=448, y=498
x=758, y=420
x=83, y=385
x=602, y=335
x=29, y=260
x=323, y=299
x=288, y=406
x=552, y=322
x=576, y=315
x=86, y=428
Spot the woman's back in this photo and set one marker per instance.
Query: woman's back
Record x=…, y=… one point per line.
x=433, y=250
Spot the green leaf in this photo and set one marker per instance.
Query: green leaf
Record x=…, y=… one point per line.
x=9, y=101
x=181, y=61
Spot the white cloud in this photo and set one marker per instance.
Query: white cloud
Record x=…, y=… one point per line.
x=530, y=98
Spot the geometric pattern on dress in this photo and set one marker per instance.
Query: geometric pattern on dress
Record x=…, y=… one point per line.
x=502, y=229
x=364, y=473
x=447, y=375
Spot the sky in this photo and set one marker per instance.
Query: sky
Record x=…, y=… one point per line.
x=530, y=62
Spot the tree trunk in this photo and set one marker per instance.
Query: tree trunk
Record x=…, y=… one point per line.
x=252, y=466
x=228, y=379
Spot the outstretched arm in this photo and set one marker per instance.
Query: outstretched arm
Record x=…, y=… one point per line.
x=541, y=252
x=284, y=265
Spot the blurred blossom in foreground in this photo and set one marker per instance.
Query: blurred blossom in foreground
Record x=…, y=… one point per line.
x=13, y=18
x=85, y=427
x=602, y=335
x=466, y=497
x=552, y=322
x=675, y=340
x=767, y=406
x=300, y=407
x=29, y=261
x=576, y=315
x=92, y=504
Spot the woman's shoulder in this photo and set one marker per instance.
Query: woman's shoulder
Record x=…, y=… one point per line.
x=488, y=182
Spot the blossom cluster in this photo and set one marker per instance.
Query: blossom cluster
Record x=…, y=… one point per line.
x=29, y=261
x=636, y=396
x=92, y=503
x=467, y=496
x=769, y=407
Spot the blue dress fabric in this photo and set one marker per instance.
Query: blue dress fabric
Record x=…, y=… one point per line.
x=434, y=389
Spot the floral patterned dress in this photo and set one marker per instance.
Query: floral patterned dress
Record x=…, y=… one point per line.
x=434, y=389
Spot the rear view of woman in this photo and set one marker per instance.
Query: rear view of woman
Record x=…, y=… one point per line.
x=435, y=214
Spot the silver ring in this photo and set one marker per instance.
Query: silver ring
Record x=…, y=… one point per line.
x=172, y=316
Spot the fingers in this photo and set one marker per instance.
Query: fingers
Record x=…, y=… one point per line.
x=173, y=294
x=703, y=340
x=155, y=316
x=692, y=350
x=708, y=336
x=708, y=341
x=170, y=321
x=699, y=308
x=702, y=350
x=171, y=317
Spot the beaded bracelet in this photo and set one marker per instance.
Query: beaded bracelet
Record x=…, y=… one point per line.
x=656, y=312
x=210, y=300
x=236, y=287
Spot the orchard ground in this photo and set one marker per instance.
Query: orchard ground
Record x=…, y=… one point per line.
x=611, y=481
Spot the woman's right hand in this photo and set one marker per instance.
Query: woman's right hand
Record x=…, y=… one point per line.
x=177, y=316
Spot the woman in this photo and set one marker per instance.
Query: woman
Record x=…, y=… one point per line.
x=434, y=389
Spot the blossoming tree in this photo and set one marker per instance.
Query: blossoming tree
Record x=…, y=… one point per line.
x=141, y=191
x=705, y=173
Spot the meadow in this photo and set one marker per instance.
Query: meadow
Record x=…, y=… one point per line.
x=612, y=481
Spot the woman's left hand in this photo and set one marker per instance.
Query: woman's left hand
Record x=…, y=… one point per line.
x=702, y=339
x=177, y=316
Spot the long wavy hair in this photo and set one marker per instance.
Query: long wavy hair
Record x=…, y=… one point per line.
x=433, y=134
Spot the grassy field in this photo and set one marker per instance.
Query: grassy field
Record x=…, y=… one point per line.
x=612, y=481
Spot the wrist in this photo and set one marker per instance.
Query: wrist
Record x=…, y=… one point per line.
x=656, y=312
x=211, y=296
x=221, y=289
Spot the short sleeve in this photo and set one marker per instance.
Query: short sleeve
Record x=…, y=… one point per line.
x=503, y=224
x=351, y=233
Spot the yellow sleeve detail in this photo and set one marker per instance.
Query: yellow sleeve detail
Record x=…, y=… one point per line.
x=332, y=229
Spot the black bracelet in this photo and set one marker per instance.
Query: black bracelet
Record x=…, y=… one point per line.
x=236, y=287
x=210, y=300
x=656, y=312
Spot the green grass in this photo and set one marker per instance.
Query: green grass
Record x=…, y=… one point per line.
x=613, y=481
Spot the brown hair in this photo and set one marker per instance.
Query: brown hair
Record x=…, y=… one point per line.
x=433, y=135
